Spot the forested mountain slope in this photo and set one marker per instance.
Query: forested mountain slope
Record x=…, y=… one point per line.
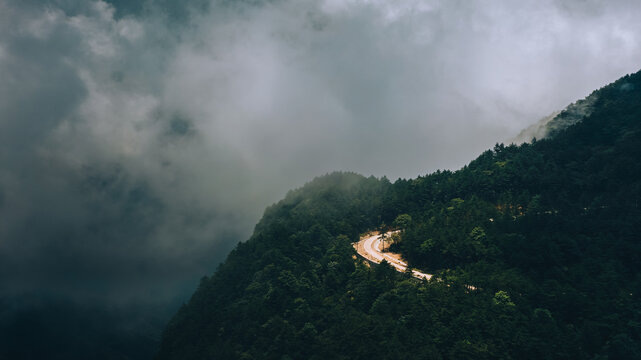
x=548, y=233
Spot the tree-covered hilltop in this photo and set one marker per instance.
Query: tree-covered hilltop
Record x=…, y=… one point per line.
x=547, y=233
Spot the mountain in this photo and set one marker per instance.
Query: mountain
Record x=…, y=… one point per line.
x=534, y=248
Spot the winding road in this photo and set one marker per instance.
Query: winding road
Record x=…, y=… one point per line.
x=369, y=247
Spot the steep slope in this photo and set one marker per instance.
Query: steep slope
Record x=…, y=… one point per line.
x=547, y=233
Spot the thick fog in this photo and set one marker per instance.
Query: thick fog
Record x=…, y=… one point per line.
x=140, y=141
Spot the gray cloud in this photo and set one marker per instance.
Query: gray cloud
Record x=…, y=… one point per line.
x=139, y=141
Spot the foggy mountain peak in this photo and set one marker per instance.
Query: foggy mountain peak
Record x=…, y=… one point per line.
x=557, y=121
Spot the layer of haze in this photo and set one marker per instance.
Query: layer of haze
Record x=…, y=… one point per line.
x=139, y=141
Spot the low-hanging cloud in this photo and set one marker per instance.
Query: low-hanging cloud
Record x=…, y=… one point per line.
x=140, y=142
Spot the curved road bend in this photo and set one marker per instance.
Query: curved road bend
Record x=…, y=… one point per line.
x=369, y=248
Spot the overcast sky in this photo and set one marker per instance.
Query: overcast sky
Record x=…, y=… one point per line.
x=140, y=140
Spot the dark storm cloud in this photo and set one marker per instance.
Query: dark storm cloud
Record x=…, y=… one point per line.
x=93, y=201
x=139, y=141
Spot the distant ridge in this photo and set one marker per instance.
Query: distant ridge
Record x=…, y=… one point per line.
x=558, y=120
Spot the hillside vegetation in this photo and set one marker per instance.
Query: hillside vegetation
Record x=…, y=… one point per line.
x=548, y=233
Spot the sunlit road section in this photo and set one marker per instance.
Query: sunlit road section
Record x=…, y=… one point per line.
x=370, y=246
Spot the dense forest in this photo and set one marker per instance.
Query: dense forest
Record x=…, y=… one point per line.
x=547, y=233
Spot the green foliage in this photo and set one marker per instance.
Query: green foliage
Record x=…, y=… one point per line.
x=402, y=221
x=501, y=298
x=535, y=248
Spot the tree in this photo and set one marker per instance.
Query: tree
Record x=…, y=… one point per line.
x=395, y=238
x=383, y=234
x=502, y=298
x=402, y=221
